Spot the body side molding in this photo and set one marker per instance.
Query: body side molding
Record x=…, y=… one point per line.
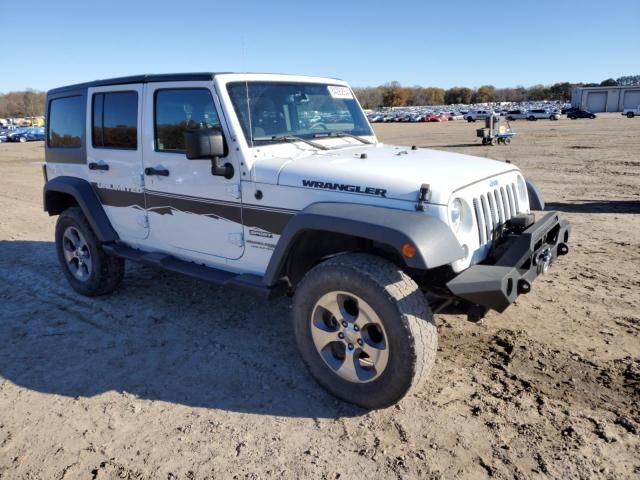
x=87, y=200
x=436, y=245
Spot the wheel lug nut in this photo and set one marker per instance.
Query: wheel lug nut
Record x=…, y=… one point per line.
x=360, y=341
x=344, y=324
x=351, y=346
x=356, y=328
x=341, y=335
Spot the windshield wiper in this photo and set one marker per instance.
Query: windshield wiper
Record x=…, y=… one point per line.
x=290, y=139
x=342, y=134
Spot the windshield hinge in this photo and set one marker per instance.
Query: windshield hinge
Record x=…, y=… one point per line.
x=423, y=197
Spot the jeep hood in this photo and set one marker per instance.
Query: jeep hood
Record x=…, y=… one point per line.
x=398, y=171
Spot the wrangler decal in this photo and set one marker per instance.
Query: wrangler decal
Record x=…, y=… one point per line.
x=345, y=188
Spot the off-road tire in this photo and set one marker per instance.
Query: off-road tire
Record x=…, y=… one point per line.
x=401, y=306
x=106, y=272
x=630, y=114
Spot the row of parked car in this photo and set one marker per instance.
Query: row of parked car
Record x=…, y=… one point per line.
x=515, y=111
x=396, y=116
x=22, y=134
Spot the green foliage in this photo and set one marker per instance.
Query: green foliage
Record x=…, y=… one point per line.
x=629, y=81
x=609, y=82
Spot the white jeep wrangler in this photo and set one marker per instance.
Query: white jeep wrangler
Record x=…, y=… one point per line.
x=276, y=184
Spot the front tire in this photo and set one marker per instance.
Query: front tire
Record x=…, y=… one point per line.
x=89, y=270
x=22, y=140
x=364, y=329
x=630, y=114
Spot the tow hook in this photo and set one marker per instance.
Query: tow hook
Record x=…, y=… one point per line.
x=524, y=287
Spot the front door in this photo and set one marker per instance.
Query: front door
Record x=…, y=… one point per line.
x=190, y=210
x=114, y=157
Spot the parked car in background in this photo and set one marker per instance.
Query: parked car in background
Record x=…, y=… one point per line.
x=12, y=133
x=456, y=116
x=539, y=113
x=474, y=115
x=631, y=112
x=516, y=115
x=436, y=117
x=23, y=135
x=581, y=114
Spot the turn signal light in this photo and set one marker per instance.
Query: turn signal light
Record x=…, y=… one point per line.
x=408, y=250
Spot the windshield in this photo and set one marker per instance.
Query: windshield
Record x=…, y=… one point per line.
x=304, y=110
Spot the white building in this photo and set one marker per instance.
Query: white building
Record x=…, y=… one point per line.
x=605, y=99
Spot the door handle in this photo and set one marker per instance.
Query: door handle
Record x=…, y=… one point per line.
x=156, y=171
x=98, y=166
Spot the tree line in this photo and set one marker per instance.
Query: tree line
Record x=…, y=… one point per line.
x=29, y=103
x=393, y=94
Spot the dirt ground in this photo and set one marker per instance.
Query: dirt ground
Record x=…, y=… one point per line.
x=172, y=378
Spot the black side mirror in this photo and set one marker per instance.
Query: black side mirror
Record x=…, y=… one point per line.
x=208, y=143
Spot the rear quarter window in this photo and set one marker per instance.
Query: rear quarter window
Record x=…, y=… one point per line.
x=66, y=122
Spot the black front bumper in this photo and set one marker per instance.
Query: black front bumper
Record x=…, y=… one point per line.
x=516, y=261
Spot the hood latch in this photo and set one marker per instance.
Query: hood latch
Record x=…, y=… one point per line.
x=423, y=197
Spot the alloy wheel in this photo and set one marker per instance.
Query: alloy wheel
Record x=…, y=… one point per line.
x=76, y=253
x=350, y=337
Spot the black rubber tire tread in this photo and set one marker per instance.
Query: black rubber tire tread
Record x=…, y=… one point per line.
x=107, y=272
x=411, y=311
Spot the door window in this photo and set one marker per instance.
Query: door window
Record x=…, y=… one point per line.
x=177, y=110
x=115, y=120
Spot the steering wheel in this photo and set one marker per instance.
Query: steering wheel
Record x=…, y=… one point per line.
x=319, y=126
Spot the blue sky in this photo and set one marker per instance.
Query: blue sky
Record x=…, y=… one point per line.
x=366, y=43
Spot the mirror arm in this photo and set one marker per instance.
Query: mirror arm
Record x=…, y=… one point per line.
x=227, y=171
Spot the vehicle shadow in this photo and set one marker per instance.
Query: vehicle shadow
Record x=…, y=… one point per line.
x=596, y=206
x=161, y=336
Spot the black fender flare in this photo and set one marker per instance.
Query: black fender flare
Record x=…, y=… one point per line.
x=536, y=201
x=435, y=243
x=86, y=198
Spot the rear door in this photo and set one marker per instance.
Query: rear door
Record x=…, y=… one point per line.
x=192, y=213
x=114, y=156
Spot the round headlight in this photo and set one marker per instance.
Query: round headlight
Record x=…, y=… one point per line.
x=455, y=213
x=522, y=188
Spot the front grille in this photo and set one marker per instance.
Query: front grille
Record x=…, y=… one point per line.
x=493, y=209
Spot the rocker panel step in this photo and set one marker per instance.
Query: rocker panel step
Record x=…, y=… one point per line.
x=245, y=281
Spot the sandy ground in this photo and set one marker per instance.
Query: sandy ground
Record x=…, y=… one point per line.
x=173, y=378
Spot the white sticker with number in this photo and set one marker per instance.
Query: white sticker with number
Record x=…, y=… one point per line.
x=339, y=92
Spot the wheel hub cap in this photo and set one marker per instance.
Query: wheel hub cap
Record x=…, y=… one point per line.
x=350, y=337
x=76, y=253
